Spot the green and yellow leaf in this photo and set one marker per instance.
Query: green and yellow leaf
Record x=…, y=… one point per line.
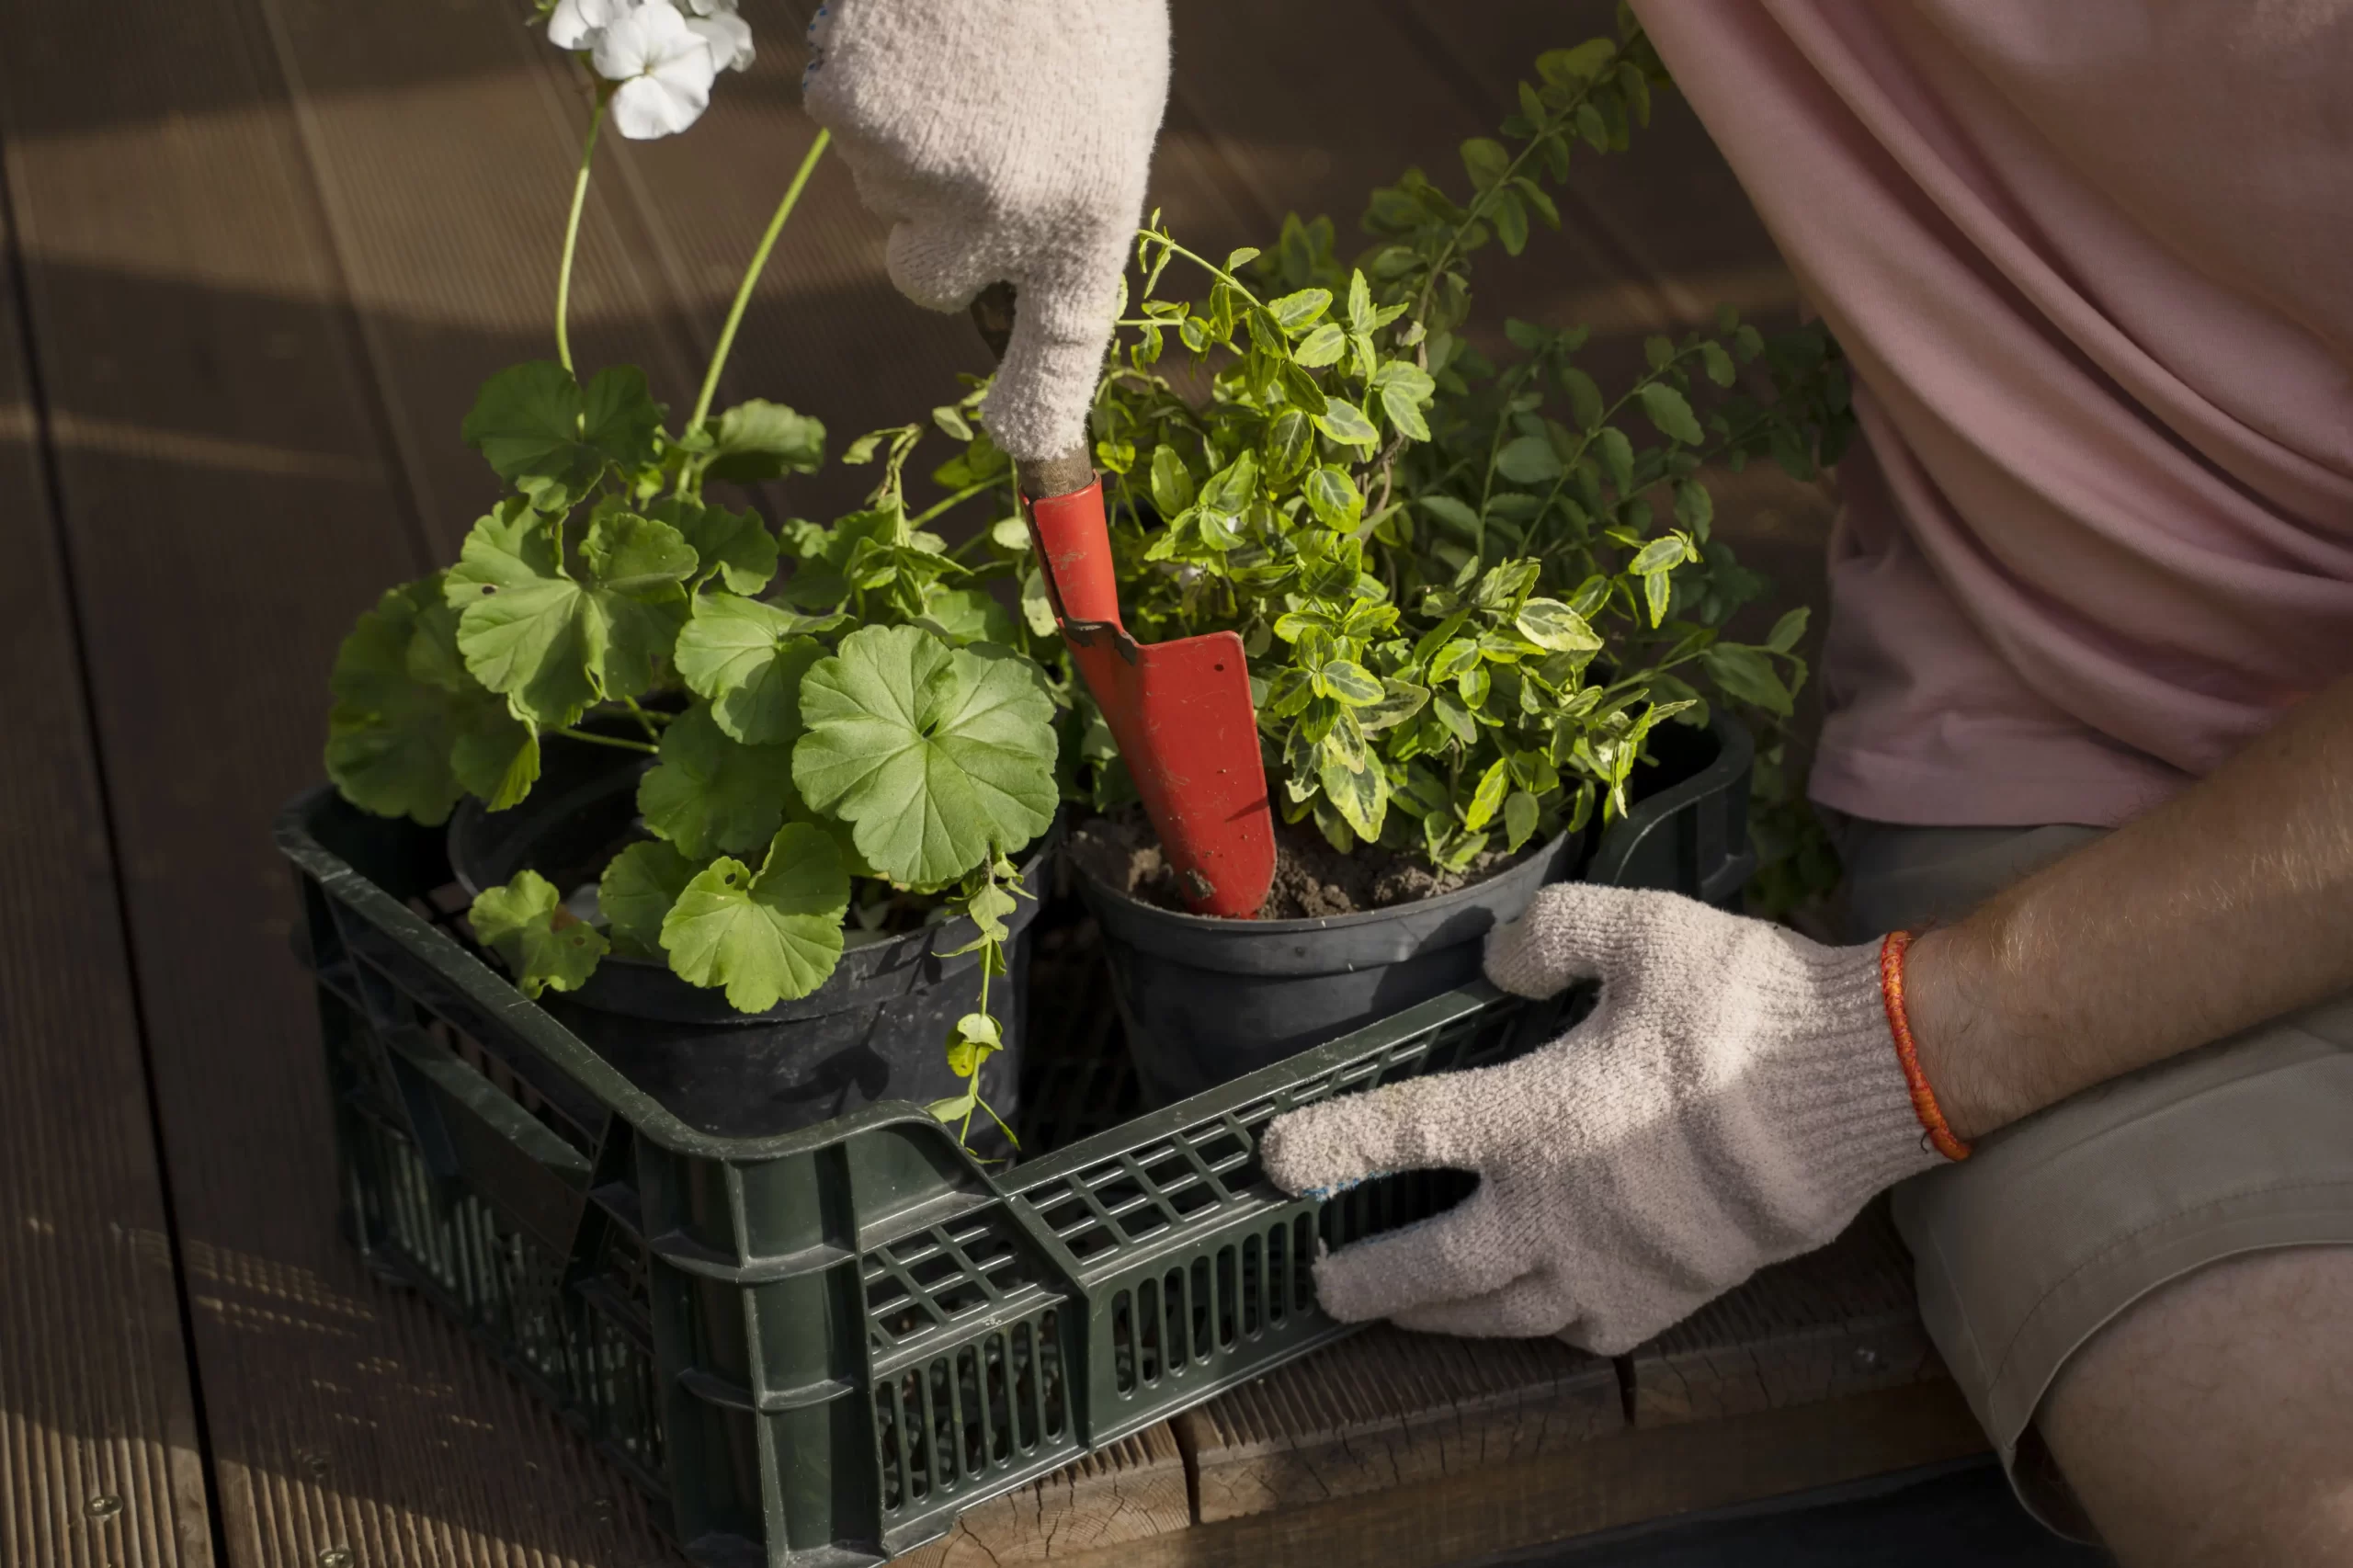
x=543, y=944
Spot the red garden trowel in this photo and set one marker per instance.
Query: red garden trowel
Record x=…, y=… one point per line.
x=1180, y=712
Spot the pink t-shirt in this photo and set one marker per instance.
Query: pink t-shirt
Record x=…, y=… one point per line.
x=2093, y=262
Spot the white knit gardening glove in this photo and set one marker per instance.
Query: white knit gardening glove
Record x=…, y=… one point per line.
x=1732, y=1099
x=1005, y=140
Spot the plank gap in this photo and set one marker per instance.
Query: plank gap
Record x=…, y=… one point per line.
x=169, y=1538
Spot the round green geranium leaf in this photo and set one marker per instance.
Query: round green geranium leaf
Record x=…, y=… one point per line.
x=735, y=547
x=526, y=924
x=758, y=439
x=711, y=794
x=411, y=729
x=636, y=893
x=935, y=756
x=769, y=937
x=748, y=658
x=551, y=438
x=554, y=641
x=522, y=625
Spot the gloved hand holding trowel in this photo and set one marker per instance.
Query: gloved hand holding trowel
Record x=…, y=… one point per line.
x=2097, y=572
x=1034, y=191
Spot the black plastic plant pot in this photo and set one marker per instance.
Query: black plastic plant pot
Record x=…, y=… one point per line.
x=876, y=1030
x=1205, y=1001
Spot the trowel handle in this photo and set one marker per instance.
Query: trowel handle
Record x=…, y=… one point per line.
x=1047, y=477
x=1064, y=498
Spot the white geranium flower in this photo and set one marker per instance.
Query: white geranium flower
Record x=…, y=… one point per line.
x=728, y=35
x=711, y=7
x=663, y=67
x=578, y=24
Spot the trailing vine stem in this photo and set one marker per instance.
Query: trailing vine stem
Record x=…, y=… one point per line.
x=1385, y=464
x=978, y=1032
x=1593, y=432
x=1477, y=212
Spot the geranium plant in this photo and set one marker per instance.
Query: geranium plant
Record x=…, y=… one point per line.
x=853, y=748
x=1469, y=592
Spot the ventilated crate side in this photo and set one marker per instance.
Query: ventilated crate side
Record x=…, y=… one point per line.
x=815, y=1349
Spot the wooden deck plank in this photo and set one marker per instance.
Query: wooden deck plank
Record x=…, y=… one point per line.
x=1386, y=1409
x=229, y=507
x=1635, y=1477
x=1135, y=1491
x=99, y=1452
x=444, y=155
x=1836, y=1321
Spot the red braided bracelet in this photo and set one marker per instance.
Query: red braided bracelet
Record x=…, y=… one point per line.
x=1924, y=1098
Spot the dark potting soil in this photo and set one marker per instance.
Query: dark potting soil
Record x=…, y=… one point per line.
x=1313, y=880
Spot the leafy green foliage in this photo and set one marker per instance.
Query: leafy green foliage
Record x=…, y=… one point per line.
x=410, y=731
x=936, y=757
x=748, y=658
x=757, y=440
x=608, y=598
x=606, y=601
x=1469, y=592
x=713, y=795
x=636, y=892
x=1798, y=866
x=768, y=937
x=991, y=895
x=526, y=924
x=553, y=439
x=737, y=547
x=554, y=635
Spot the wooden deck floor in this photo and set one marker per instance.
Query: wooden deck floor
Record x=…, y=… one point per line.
x=258, y=253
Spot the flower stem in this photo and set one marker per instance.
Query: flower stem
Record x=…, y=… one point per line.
x=644, y=719
x=573, y=735
x=571, y=237
x=752, y=276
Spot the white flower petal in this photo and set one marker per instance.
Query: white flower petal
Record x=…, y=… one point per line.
x=576, y=24
x=653, y=39
x=729, y=38
x=711, y=7
x=649, y=108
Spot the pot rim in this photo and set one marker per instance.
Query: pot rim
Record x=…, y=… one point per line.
x=858, y=965
x=1301, y=925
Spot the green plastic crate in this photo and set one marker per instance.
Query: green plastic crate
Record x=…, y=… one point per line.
x=820, y=1347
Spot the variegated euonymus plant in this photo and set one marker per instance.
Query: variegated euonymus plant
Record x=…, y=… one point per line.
x=1468, y=591
x=861, y=743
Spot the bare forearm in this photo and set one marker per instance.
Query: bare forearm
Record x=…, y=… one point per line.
x=2231, y=905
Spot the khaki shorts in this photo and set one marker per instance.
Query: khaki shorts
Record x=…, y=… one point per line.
x=2058, y=1223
